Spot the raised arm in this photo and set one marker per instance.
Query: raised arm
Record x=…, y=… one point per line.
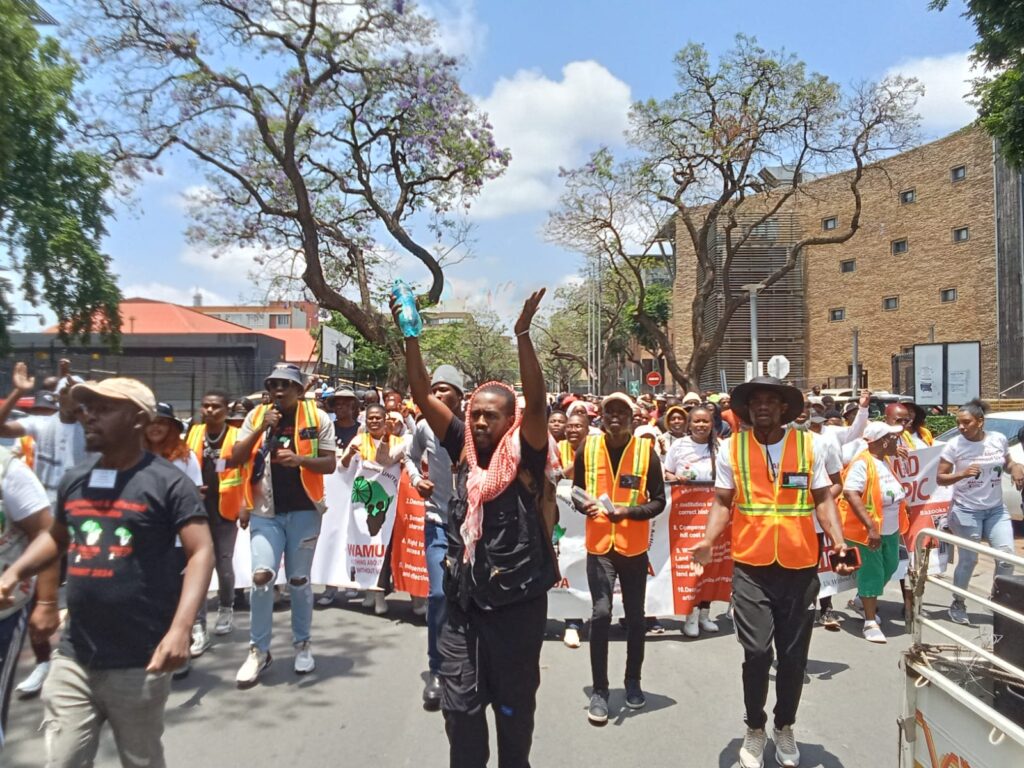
x=23, y=384
x=434, y=411
x=534, y=428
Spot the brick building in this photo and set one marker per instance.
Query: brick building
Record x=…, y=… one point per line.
x=938, y=257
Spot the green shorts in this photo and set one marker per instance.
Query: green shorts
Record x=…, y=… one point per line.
x=877, y=565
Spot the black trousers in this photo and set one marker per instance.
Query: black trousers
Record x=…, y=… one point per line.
x=602, y=571
x=491, y=658
x=772, y=604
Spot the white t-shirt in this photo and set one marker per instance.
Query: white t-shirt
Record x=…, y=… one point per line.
x=190, y=466
x=58, y=448
x=689, y=460
x=990, y=453
x=827, y=445
x=725, y=480
x=892, y=491
x=24, y=495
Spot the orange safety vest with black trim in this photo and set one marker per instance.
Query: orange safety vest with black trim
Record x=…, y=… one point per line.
x=567, y=455
x=774, y=520
x=307, y=443
x=28, y=451
x=627, y=537
x=853, y=528
x=233, y=481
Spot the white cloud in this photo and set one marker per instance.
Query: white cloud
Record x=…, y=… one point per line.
x=173, y=294
x=191, y=196
x=947, y=81
x=549, y=124
x=460, y=32
x=232, y=264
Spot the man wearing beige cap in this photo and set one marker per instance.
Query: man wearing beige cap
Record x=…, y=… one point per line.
x=129, y=610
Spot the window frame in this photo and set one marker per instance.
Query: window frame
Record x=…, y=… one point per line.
x=831, y=314
x=844, y=262
x=912, y=191
x=966, y=229
x=824, y=223
x=954, y=169
x=886, y=299
x=906, y=246
x=944, y=291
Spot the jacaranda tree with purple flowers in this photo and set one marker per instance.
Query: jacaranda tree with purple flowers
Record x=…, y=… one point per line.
x=321, y=125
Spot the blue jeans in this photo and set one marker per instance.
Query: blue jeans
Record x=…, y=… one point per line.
x=993, y=525
x=435, y=539
x=294, y=535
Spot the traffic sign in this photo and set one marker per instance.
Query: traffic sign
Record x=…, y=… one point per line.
x=778, y=366
x=634, y=388
x=653, y=379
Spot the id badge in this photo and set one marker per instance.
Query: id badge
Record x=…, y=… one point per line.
x=629, y=482
x=797, y=480
x=103, y=478
x=220, y=465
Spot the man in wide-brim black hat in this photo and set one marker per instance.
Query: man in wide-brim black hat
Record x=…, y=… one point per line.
x=792, y=397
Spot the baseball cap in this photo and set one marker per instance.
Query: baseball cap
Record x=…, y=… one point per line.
x=117, y=388
x=622, y=397
x=46, y=400
x=876, y=430
x=850, y=406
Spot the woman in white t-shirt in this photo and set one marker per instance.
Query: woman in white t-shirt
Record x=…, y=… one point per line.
x=692, y=459
x=973, y=463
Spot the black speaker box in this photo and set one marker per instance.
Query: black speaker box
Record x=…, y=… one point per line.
x=1009, y=592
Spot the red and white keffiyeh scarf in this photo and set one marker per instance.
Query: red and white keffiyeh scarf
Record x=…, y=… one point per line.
x=485, y=485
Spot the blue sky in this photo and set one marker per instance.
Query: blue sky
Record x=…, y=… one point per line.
x=557, y=78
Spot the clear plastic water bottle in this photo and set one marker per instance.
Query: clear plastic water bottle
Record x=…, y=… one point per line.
x=408, y=316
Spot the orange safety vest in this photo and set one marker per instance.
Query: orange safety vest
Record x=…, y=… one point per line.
x=28, y=451
x=627, y=537
x=233, y=481
x=774, y=523
x=307, y=443
x=567, y=455
x=853, y=528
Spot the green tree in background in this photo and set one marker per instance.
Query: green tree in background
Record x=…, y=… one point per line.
x=52, y=194
x=1000, y=49
x=481, y=347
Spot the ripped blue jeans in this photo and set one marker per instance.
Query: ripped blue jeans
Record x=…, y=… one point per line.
x=294, y=535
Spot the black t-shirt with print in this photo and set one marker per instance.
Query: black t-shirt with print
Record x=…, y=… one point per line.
x=124, y=573
x=344, y=435
x=211, y=455
x=289, y=495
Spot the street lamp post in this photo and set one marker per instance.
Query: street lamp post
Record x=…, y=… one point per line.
x=753, y=288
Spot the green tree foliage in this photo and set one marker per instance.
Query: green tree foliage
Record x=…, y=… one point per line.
x=481, y=347
x=1000, y=49
x=52, y=194
x=371, y=363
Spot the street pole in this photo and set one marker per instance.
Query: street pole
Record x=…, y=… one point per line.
x=599, y=330
x=855, y=378
x=753, y=288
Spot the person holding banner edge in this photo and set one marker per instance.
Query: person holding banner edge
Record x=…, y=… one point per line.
x=500, y=562
x=777, y=483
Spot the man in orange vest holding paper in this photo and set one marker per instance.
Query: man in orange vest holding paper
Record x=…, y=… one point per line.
x=775, y=483
x=622, y=478
x=294, y=447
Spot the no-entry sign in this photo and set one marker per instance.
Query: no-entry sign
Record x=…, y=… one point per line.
x=653, y=379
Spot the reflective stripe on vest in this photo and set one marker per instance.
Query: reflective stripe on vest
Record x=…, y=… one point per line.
x=853, y=528
x=305, y=418
x=627, y=537
x=28, y=451
x=567, y=455
x=773, y=523
x=232, y=482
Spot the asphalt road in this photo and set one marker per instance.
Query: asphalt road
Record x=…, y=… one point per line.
x=362, y=704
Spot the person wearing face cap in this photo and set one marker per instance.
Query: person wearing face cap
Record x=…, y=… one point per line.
x=776, y=483
x=435, y=487
x=130, y=609
x=874, y=516
x=287, y=447
x=621, y=475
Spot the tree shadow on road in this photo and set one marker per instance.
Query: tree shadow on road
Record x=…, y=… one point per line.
x=811, y=756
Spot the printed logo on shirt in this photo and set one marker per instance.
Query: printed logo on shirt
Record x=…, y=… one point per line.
x=99, y=533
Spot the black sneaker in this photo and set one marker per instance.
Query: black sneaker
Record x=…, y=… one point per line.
x=635, y=698
x=598, y=711
x=829, y=620
x=432, y=694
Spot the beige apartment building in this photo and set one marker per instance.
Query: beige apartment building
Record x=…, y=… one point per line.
x=938, y=257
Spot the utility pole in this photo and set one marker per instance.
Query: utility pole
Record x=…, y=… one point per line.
x=753, y=288
x=855, y=377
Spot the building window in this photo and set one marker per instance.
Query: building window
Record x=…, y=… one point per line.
x=946, y=295
x=900, y=246
x=958, y=174
x=836, y=315
x=908, y=196
x=832, y=222
x=961, y=234
x=891, y=302
x=850, y=265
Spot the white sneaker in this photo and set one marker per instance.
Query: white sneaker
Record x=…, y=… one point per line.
x=706, y=624
x=856, y=605
x=225, y=621
x=253, y=666
x=327, y=598
x=380, y=605
x=873, y=633
x=692, y=626
x=786, y=753
x=368, y=599
x=304, y=661
x=752, y=750
x=571, y=637
x=200, y=640
x=419, y=606
x=33, y=684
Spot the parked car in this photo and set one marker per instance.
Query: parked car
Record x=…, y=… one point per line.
x=879, y=400
x=1007, y=423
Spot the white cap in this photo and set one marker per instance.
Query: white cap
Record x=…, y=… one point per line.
x=691, y=397
x=876, y=430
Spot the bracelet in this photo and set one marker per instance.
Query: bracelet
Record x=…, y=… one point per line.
x=46, y=602
x=523, y=333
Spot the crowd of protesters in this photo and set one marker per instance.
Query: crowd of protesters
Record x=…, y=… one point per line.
x=118, y=510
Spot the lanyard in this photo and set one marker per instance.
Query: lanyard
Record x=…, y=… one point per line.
x=772, y=467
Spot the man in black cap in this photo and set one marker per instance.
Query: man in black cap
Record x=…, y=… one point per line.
x=777, y=483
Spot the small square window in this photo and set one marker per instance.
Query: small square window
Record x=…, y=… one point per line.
x=958, y=174
x=908, y=196
x=836, y=315
x=832, y=222
x=946, y=295
x=891, y=302
x=900, y=246
x=961, y=234
x=850, y=265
